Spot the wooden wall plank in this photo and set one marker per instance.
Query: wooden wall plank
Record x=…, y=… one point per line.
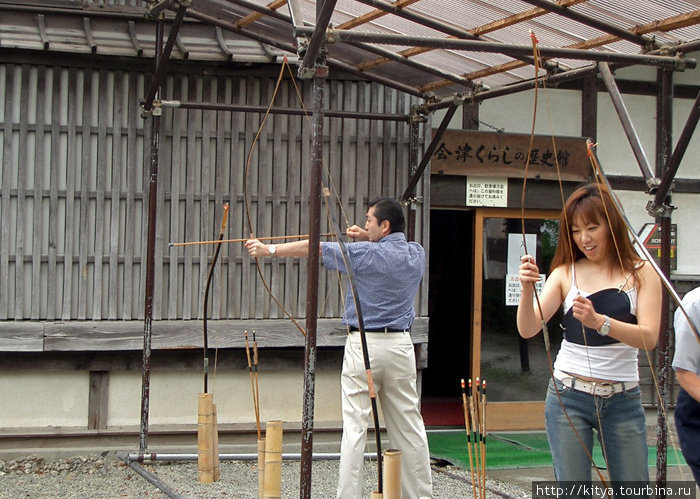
x=292, y=177
x=23, y=222
x=24, y=336
x=144, y=188
x=203, y=219
x=128, y=335
x=7, y=170
x=304, y=223
x=84, y=189
x=175, y=120
x=36, y=183
x=56, y=165
x=100, y=113
x=116, y=167
x=98, y=396
x=70, y=273
x=219, y=163
x=279, y=167
x=132, y=176
x=237, y=273
x=161, y=229
x=189, y=290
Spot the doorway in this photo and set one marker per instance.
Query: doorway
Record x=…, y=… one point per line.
x=449, y=307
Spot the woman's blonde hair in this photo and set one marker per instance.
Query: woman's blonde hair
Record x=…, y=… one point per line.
x=593, y=203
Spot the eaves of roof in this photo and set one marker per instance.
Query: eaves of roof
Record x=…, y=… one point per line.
x=495, y=35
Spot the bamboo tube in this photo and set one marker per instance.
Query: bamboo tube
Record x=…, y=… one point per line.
x=215, y=447
x=475, y=435
x=205, y=438
x=392, y=474
x=261, y=468
x=465, y=408
x=273, y=460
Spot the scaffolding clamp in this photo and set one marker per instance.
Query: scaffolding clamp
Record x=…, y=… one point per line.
x=660, y=211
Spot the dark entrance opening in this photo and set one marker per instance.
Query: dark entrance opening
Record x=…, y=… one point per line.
x=450, y=301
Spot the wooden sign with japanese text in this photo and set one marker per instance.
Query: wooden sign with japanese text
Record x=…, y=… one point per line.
x=465, y=152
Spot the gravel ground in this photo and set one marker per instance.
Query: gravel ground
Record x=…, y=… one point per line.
x=106, y=476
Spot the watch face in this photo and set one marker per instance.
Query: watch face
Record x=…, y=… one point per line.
x=272, y=249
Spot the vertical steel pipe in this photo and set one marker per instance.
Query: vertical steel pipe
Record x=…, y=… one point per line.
x=679, y=151
x=324, y=11
x=163, y=57
x=664, y=129
x=412, y=166
x=312, y=285
x=408, y=193
x=150, y=259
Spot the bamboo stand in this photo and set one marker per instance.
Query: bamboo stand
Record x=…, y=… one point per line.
x=467, y=425
x=261, y=468
x=392, y=474
x=207, y=440
x=273, y=460
x=215, y=450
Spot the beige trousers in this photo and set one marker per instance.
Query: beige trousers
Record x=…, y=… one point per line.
x=393, y=365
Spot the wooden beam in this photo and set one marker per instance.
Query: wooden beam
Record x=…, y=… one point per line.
x=372, y=15
x=254, y=16
x=97, y=400
x=105, y=336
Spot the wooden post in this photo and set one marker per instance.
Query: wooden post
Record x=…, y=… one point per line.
x=392, y=474
x=205, y=437
x=261, y=468
x=273, y=460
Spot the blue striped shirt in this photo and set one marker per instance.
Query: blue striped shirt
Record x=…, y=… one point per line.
x=387, y=276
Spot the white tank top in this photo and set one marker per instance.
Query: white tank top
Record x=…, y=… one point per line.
x=616, y=362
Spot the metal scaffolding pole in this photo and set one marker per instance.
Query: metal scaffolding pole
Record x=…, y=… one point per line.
x=664, y=136
x=323, y=17
x=313, y=263
x=274, y=42
x=626, y=122
x=504, y=48
x=164, y=58
x=243, y=108
x=150, y=258
x=678, y=153
x=413, y=182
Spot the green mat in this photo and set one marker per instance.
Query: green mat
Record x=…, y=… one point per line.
x=514, y=450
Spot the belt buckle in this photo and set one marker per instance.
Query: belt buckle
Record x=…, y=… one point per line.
x=604, y=385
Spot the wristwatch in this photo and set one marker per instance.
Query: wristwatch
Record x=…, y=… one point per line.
x=605, y=328
x=272, y=249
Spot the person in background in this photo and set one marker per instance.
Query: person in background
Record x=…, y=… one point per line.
x=612, y=307
x=388, y=270
x=686, y=364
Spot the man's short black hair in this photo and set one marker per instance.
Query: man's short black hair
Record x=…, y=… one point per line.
x=389, y=209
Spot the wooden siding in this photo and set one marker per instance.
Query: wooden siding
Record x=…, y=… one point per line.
x=74, y=161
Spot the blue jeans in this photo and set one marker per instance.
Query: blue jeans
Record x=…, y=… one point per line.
x=620, y=427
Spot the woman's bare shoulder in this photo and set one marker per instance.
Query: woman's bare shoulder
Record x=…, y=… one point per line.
x=646, y=274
